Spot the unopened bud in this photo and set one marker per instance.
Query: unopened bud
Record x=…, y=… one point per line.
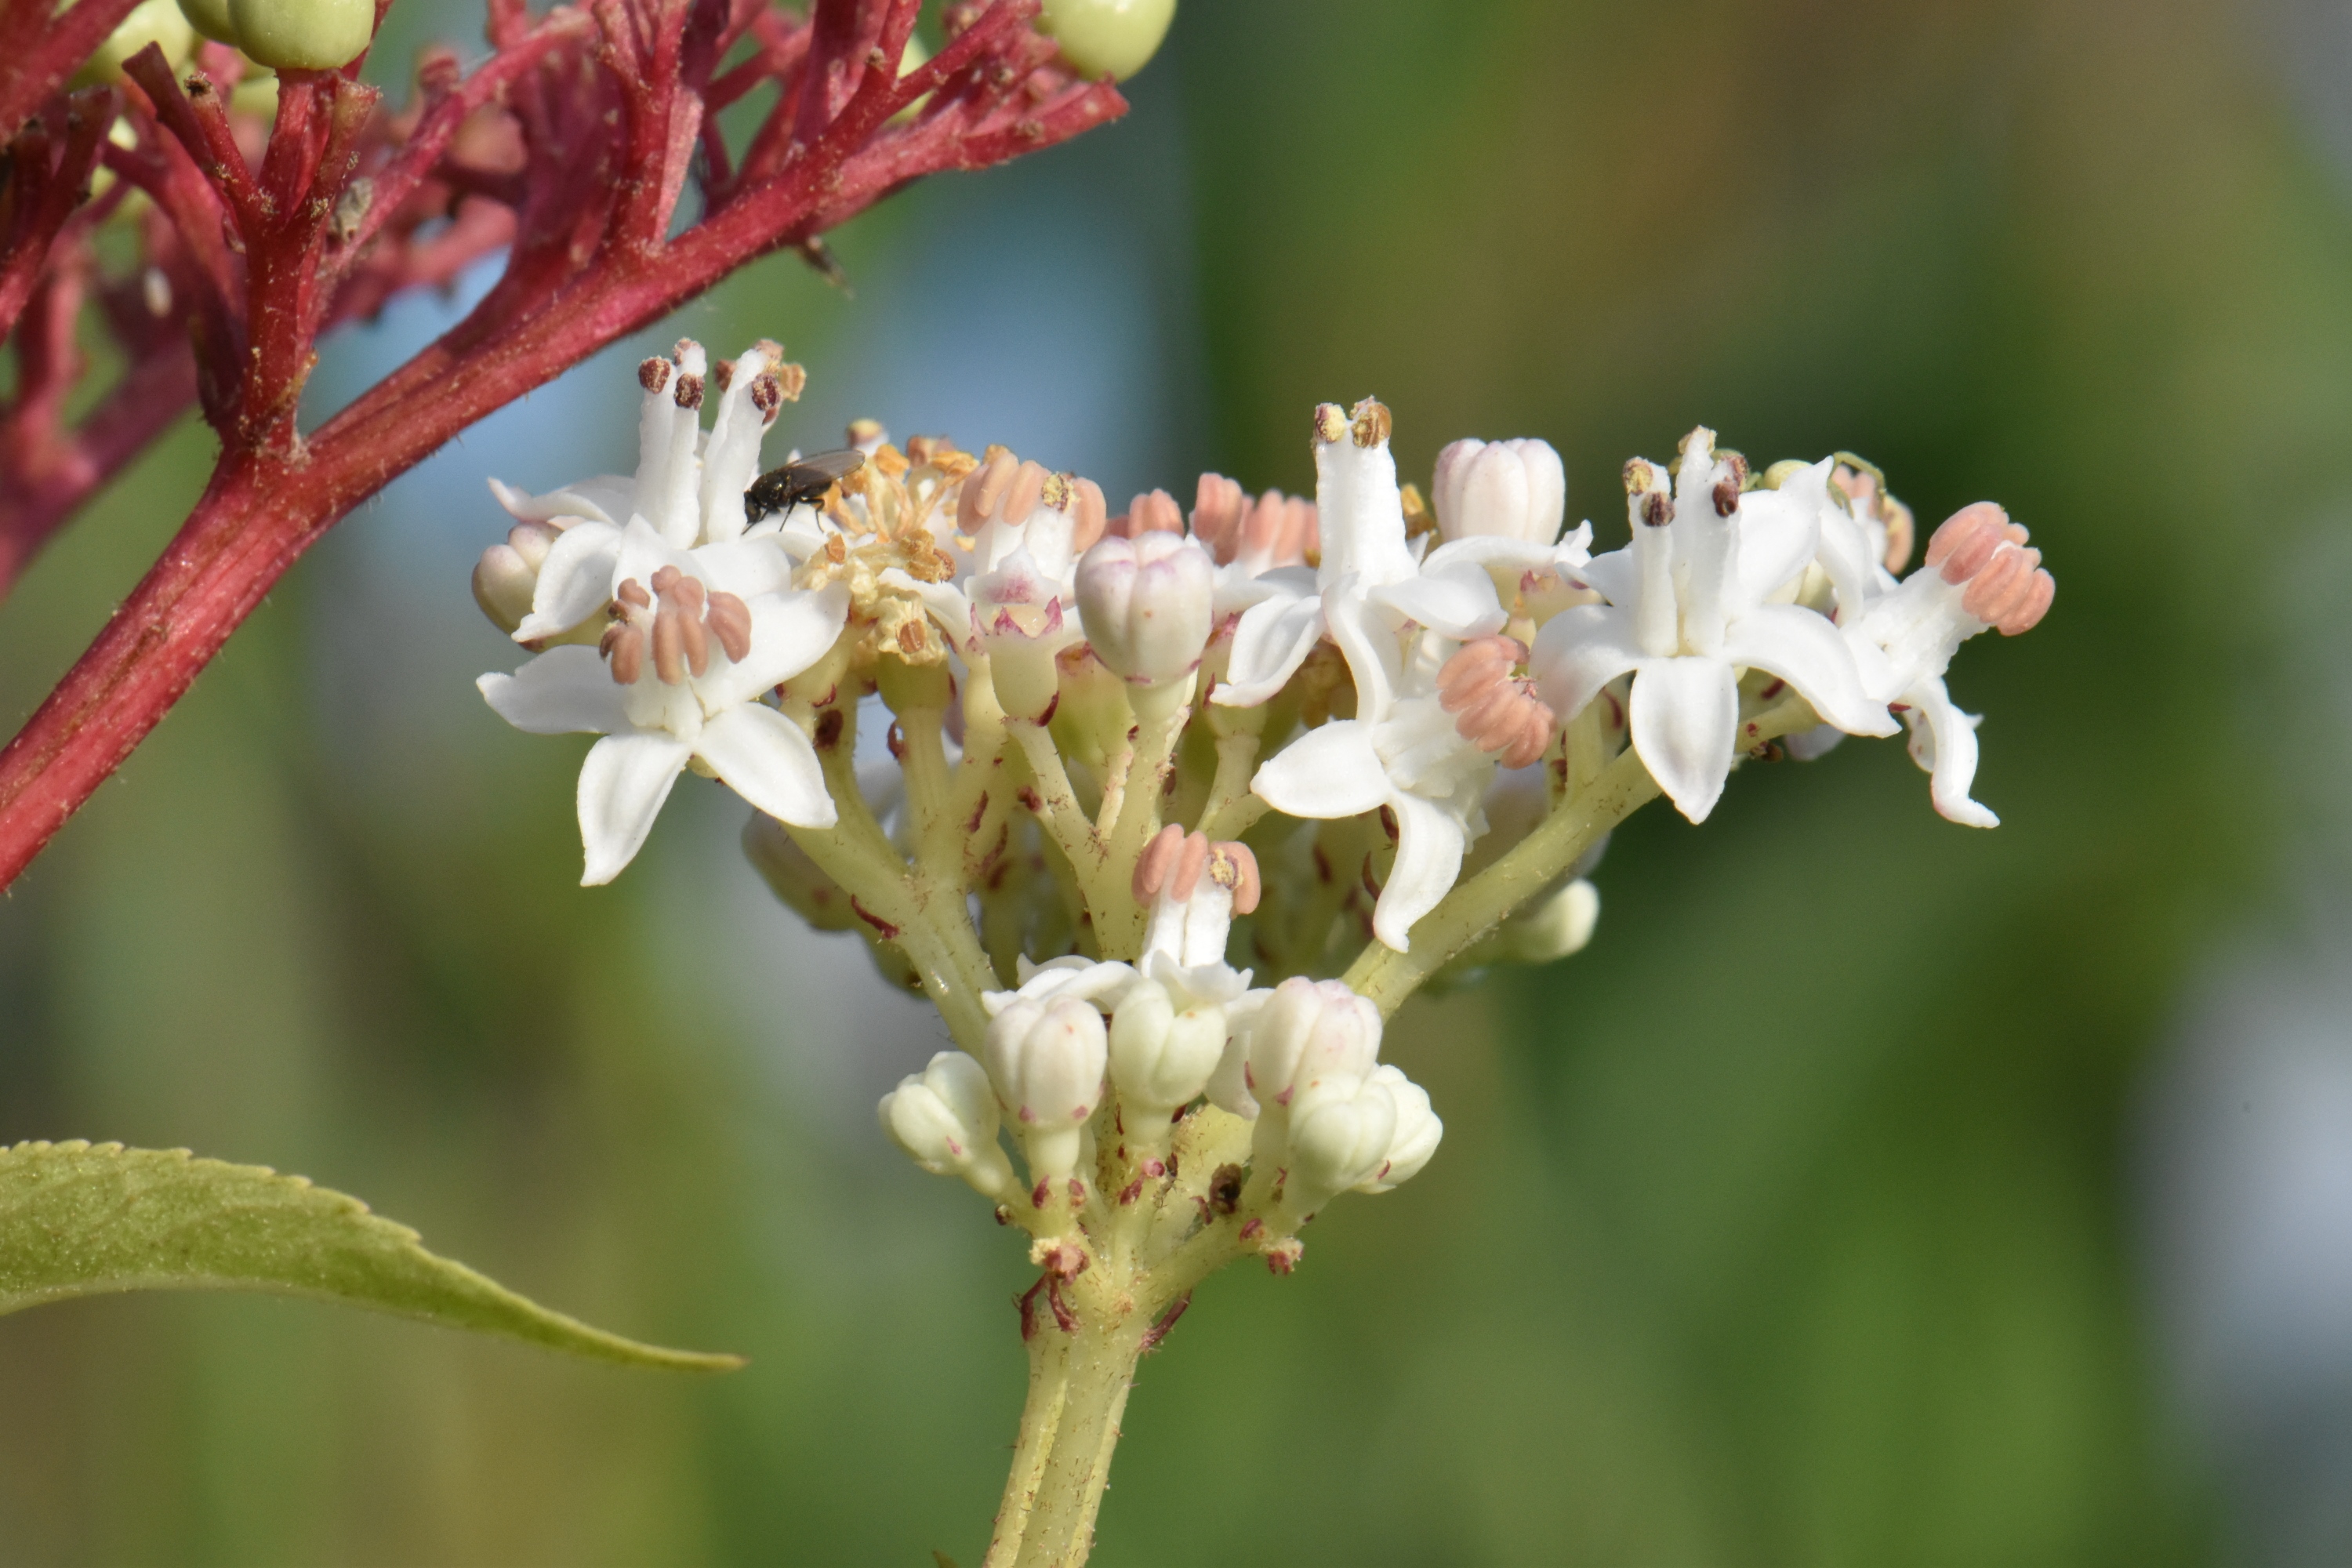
x=1046, y=1061
x=1162, y=1058
x=803, y=885
x=303, y=34
x=1339, y=1137
x=1016, y=618
x=1114, y=38
x=503, y=585
x=1308, y=1035
x=1418, y=1131
x=1554, y=928
x=1146, y=603
x=1514, y=489
x=945, y=1118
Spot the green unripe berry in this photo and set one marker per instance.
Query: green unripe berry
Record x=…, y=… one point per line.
x=150, y=21
x=1108, y=38
x=303, y=34
x=210, y=19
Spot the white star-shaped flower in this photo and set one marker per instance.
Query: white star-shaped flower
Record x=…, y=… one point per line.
x=1689, y=608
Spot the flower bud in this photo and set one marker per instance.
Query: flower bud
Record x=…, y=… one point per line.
x=945, y=1118
x=303, y=34
x=158, y=22
x=793, y=877
x=507, y=576
x=1016, y=619
x=1418, y=1130
x=1309, y=1033
x=1515, y=488
x=1340, y=1136
x=1046, y=1061
x=1160, y=1059
x=1145, y=602
x=1108, y=38
x=1554, y=928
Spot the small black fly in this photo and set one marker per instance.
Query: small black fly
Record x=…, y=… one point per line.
x=800, y=481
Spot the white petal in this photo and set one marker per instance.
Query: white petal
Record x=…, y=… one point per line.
x=622, y=788
x=1944, y=742
x=575, y=581
x=1778, y=531
x=644, y=551
x=1374, y=655
x=1580, y=650
x=1272, y=639
x=1430, y=840
x=1682, y=712
x=1455, y=599
x=607, y=497
x=762, y=756
x=1804, y=649
x=788, y=632
x=1616, y=576
x=563, y=691
x=746, y=568
x=1328, y=772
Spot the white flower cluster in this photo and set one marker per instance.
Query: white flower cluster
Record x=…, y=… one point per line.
x=1086, y=1050
x=1120, y=744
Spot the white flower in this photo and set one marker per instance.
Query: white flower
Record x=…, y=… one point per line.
x=1980, y=574
x=704, y=621
x=1688, y=610
x=1015, y=536
x=1046, y=1060
x=690, y=496
x=1359, y=518
x=1145, y=602
x=678, y=679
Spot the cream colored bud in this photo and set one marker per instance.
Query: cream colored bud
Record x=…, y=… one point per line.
x=1162, y=1058
x=1145, y=602
x=1309, y=1033
x=303, y=34
x=503, y=585
x=1016, y=619
x=1114, y=38
x=945, y=1118
x=1047, y=1062
x=1553, y=929
x=1518, y=489
x=1340, y=1136
x=1415, y=1140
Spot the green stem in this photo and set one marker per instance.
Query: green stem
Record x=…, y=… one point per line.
x=1100, y=1361
x=1040, y=1413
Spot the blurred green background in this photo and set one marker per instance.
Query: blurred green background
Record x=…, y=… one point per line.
x=1794, y=1222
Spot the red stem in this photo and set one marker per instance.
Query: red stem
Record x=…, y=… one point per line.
x=38, y=53
x=268, y=501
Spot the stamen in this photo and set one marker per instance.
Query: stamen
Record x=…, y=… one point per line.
x=1372, y=423
x=1089, y=523
x=625, y=645
x=767, y=396
x=633, y=593
x=1330, y=422
x=730, y=622
x=2006, y=584
x=1219, y=507
x=1028, y=488
x=1727, y=498
x=653, y=374
x=1640, y=476
x=1231, y=865
x=984, y=489
x=1967, y=540
x=1154, y=513
x=1184, y=872
x=689, y=394
x=1152, y=865
x=669, y=646
x=1656, y=509
x=1493, y=710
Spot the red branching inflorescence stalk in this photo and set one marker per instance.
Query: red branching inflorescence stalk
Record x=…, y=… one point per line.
x=573, y=145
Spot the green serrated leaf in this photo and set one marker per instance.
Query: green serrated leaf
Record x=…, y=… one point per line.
x=81, y=1219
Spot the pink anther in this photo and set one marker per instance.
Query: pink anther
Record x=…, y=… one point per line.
x=984, y=489
x=1280, y=529
x=1086, y=512
x=1153, y=865
x=2006, y=586
x=1021, y=497
x=1493, y=709
x=1184, y=871
x=1155, y=512
x=1219, y=507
